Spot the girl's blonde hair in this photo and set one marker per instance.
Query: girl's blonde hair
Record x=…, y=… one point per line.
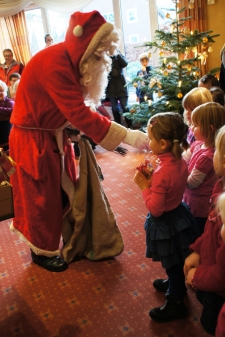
x=220, y=147
x=210, y=117
x=168, y=126
x=196, y=97
x=221, y=206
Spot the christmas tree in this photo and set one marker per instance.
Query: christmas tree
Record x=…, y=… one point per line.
x=181, y=53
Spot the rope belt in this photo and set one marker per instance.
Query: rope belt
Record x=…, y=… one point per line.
x=59, y=139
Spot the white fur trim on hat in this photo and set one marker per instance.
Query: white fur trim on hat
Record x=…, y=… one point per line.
x=78, y=31
x=104, y=30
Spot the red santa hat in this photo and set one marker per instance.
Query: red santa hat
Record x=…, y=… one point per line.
x=85, y=32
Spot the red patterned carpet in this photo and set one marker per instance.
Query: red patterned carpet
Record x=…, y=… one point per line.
x=91, y=299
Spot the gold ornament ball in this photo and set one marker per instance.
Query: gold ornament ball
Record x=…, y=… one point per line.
x=161, y=53
x=135, y=85
x=191, y=5
x=165, y=73
x=210, y=50
x=132, y=111
x=205, y=40
x=159, y=94
x=168, y=15
x=179, y=95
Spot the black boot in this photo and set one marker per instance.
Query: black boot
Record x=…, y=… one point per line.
x=161, y=285
x=172, y=309
x=54, y=263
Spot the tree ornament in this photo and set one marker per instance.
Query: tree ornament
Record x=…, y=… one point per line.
x=191, y=4
x=210, y=49
x=169, y=66
x=195, y=51
x=163, y=44
x=168, y=15
x=189, y=68
x=161, y=53
x=159, y=85
x=179, y=95
x=172, y=27
x=135, y=85
x=159, y=94
x=202, y=57
x=187, y=31
x=132, y=110
x=149, y=55
x=165, y=73
x=152, y=83
x=205, y=40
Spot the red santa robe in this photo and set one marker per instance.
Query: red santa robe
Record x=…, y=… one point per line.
x=49, y=95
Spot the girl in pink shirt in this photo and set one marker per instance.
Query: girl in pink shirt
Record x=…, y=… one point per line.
x=206, y=119
x=204, y=268
x=170, y=227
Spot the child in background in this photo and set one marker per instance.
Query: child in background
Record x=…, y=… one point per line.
x=217, y=95
x=145, y=73
x=169, y=226
x=207, y=119
x=220, y=329
x=207, y=81
x=191, y=100
x=204, y=269
x=13, y=78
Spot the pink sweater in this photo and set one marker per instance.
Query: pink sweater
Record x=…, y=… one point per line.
x=198, y=199
x=168, y=184
x=210, y=274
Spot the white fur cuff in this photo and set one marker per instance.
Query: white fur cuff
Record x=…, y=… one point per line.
x=114, y=137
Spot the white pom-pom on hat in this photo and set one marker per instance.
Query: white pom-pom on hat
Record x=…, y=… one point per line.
x=78, y=31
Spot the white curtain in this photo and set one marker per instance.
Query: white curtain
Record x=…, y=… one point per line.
x=11, y=7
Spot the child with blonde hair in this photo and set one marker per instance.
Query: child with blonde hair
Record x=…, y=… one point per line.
x=170, y=226
x=204, y=269
x=207, y=119
x=191, y=100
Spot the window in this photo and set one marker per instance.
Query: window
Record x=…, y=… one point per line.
x=58, y=24
x=164, y=7
x=35, y=29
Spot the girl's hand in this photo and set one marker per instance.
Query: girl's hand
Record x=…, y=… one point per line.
x=141, y=181
x=191, y=262
x=190, y=276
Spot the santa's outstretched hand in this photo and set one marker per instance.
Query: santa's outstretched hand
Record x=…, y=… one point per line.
x=137, y=139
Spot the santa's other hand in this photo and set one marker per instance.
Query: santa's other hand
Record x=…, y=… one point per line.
x=137, y=139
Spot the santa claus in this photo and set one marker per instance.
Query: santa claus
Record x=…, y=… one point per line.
x=55, y=90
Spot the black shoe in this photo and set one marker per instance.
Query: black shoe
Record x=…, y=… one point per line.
x=54, y=263
x=161, y=285
x=172, y=309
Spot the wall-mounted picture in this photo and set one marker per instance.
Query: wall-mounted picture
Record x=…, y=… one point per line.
x=132, y=15
x=109, y=17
